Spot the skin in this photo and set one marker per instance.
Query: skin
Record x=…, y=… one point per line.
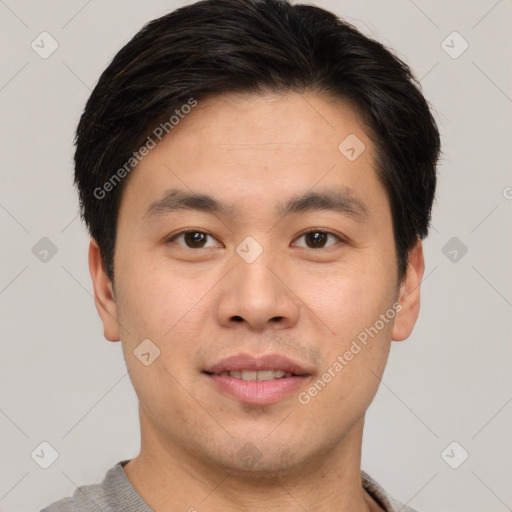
x=199, y=305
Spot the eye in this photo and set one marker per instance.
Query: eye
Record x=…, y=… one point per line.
x=317, y=239
x=192, y=239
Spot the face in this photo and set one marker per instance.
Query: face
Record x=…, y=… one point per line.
x=257, y=256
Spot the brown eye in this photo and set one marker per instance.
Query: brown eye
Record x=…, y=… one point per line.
x=192, y=239
x=317, y=239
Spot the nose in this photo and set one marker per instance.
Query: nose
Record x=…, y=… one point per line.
x=258, y=294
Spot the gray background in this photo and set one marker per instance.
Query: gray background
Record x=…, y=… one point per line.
x=64, y=384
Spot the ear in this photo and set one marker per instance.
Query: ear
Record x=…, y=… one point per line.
x=104, y=296
x=409, y=294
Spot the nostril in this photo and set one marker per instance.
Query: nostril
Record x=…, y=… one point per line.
x=238, y=319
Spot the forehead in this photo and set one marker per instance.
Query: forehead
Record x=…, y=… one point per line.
x=270, y=122
x=242, y=147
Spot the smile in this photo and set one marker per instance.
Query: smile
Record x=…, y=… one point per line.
x=257, y=380
x=259, y=375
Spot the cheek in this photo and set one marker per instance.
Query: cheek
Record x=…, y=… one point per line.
x=166, y=307
x=155, y=305
x=351, y=303
x=347, y=301
x=153, y=298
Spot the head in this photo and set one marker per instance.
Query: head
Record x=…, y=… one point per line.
x=257, y=178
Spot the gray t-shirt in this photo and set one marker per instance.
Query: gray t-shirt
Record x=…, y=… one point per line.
x=117, y=494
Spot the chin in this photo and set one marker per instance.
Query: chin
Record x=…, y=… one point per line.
x=260, y=458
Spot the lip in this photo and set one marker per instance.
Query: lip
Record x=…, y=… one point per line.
x=257, y=392
x=242, y=362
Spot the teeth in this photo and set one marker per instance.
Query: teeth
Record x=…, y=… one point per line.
x=267, y=375
x=249, y=375
x=259, y=375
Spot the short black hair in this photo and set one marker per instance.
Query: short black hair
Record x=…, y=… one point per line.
x=254, y=46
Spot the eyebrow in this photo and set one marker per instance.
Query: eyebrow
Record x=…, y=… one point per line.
x=343, y=201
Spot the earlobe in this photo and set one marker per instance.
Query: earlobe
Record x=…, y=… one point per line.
x=104, y=297
x=409, y=295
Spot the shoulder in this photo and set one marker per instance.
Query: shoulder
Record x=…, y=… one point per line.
x=90, y=498
x=86, y=498
x=63, y=505
x=388, y=503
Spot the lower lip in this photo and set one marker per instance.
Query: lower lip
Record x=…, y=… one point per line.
x=255, y=392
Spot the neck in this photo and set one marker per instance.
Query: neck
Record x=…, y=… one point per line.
x=168, y=477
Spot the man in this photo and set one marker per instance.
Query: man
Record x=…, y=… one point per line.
x=257, y=178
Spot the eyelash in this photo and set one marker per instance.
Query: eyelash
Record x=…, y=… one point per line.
x=328, y=233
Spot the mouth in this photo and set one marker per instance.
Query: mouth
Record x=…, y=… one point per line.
x=257, y=380
x=257, y=375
